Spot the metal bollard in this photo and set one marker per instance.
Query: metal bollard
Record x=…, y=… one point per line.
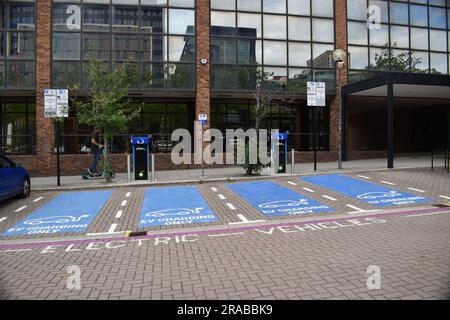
x=293, y=162
x=153, y=168
x=128, y=168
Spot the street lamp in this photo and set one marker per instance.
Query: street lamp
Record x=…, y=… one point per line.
x=339, y=57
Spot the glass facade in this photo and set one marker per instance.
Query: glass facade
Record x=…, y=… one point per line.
x=290, y=41
x=18, y=125
x=406, y=36
x=17, y=45
x=157, y=38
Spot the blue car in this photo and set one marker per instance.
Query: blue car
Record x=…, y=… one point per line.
x=14, y=179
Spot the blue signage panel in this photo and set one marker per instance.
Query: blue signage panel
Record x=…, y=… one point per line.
x=274, y=200
x=69, y=212
x=174, y=205
x=140, y=140
x=370, y=193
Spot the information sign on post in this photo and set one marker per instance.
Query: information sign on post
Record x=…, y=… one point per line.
x=56, y=105
x=203, y=118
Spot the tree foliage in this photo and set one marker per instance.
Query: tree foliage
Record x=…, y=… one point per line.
x=107, y=105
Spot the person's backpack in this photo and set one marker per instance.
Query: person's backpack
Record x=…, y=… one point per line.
x=87, y=144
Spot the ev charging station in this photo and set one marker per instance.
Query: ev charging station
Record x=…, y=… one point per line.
x=279, y=152
x=141, y=157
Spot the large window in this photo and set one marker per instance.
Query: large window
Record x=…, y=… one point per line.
x=157, y=38
x=18, y=125
x=411, y=36
x=17, y=45
x=289, y=41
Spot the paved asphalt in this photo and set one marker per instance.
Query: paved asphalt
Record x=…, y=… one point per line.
x=355, y=251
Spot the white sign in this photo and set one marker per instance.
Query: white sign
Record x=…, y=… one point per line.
x=56, y=103
x=50, y=103
x=203, y=118
x=62, y=103
x=316, y=94
x=320, y=94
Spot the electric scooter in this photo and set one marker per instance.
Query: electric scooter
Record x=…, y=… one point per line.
x=86, y=175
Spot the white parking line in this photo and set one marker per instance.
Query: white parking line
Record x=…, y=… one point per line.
x=112, y=228
x=17, y=250
x=329, y=198
x=359, y=210
x=214, y=189
x=37, y=199
x=225, y=234
x=364, y=177
x=387, y=182
x=20, y=209
x=292, y=183
x=309, y=190
x=425, y=214
x=355, y=208
x=3, y=219
x=124, y=203
x=417, y=190
x=230, y=205
x=221, y=196
x=245, y=220
x=118, y=214
x=128, y=194
x=444, y=197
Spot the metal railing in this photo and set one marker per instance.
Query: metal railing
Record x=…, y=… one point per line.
x=18, y=144
x=437, y=155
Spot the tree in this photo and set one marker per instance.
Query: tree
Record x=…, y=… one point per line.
x=107, y=105
x=265, y=100
x=404, y=61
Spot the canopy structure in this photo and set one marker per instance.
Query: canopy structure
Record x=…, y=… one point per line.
x=392, y=86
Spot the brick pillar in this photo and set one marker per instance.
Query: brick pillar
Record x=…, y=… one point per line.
x=44, y=126
x=341, y=42
x=202, y=101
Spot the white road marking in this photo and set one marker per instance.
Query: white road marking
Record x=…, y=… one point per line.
x=17, y=250
x=128, y=194
x=103, y=233
x=3, y=219
x=425, y=214
x=118, y=214
x=444, y=197
x=355, y=208
x=124, y=203
x=225, y=234
x=364, y=177
x=37, y=199
x=230, y=205
x=214, y=189
x=417, y=190
x=112, y=228
x=221, y=196
x=387, y=182
x=329, y=198
x=309, y=190
x=20, y=209
x=245, y=220
x=292, y=183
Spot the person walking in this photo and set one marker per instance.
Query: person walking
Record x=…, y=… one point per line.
x=96, y=148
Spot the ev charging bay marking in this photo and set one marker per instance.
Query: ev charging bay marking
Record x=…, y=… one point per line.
x=274, y=200
x=174, y=205
x=367, y=192
x=69, y=212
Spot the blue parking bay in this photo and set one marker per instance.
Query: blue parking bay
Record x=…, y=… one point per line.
x=174, y=205
x=272, y=199
x=69, y=212
x=370, y=193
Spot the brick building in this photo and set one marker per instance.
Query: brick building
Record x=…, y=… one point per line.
x=200, y=56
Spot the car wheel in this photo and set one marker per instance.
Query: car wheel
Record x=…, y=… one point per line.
x=26, y=188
